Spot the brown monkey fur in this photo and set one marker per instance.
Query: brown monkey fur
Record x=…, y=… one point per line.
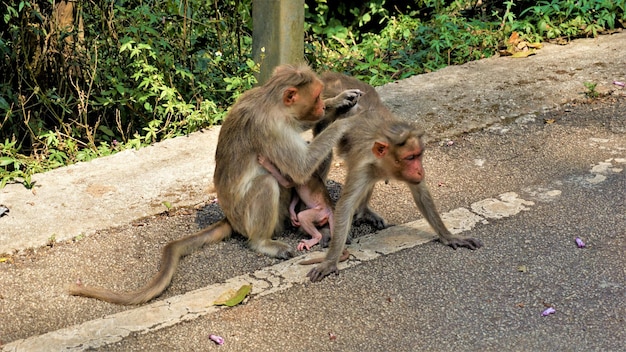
x=379, y=147
x=267, y=121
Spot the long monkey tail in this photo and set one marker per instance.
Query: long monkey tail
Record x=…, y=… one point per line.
x=170, y=258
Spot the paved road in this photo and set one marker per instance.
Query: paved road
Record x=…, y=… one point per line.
x=527, y=189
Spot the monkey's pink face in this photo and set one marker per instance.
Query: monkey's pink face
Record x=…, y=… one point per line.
x=409, y=156
x=311, y=102
x=404, y=162
x=305, y=103
x=411, y=168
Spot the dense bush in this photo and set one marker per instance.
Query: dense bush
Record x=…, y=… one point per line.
x=382, y=40
x=82, y=79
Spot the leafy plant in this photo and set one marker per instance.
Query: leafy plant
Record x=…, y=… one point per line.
x=591, y=90
x=418, y=41
x=570, y=19
x=119, y=75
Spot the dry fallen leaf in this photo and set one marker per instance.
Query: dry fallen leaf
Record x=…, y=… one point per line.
x=518, y=48
x=231, y=298
x=522, y=54
x=225, y=296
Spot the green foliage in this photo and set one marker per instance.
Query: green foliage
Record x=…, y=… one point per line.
x=591, y=90
x=412, y=37
x=13, y=165
x=424, y=39
x=553, y=19
x=119, y=74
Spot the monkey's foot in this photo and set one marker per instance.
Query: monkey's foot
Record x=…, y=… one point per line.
x=307, y=244
x=273, y=248
x=469, y=242
x=373, y=218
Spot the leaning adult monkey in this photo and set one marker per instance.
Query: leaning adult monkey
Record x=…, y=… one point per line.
x=379, y=147
x=265, y=121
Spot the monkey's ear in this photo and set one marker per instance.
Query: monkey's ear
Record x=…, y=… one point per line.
x=290, y=95
x=380, y=149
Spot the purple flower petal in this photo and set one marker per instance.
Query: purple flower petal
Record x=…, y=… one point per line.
x=580, y=243
x=548, y=312
x=217, y=339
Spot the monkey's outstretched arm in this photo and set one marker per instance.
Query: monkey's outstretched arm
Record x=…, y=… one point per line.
x=301, y=160
x=426, y=206
x=340, y=106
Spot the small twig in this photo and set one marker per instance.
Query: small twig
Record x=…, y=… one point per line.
x=508, y=9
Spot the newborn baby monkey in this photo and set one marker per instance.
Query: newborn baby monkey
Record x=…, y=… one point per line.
x=318, y=209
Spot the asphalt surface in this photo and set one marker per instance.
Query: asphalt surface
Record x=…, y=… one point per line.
x=563, y=168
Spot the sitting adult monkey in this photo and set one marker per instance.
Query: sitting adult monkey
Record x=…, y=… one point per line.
x=265, y=121
x=379, y=147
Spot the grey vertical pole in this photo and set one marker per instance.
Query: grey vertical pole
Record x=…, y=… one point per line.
x=278, y=34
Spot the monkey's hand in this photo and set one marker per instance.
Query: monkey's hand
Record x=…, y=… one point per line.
x=343, y=102
x=467, y=242
x=321, y=271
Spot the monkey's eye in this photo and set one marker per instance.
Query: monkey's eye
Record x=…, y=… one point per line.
x=413, y=156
